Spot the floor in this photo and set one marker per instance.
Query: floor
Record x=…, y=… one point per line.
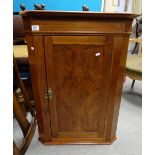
x=129, y=132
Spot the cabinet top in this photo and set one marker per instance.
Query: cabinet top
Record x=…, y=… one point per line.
x=86, y=14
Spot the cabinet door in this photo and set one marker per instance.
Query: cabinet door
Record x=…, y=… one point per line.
x=78, y=73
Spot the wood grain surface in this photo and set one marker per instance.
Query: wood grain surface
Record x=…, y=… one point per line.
x=81, y=58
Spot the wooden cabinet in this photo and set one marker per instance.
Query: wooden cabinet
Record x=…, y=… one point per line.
x=77, y=62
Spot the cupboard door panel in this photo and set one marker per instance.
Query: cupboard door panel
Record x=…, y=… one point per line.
x=78, y=76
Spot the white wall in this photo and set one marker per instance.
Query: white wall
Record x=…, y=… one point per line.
x=109, y=7
x=125, y=6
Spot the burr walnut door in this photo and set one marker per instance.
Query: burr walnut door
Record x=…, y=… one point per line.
x=78, y=73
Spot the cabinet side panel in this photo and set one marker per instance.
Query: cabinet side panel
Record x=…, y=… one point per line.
x=33, y=71
x=117, y=73
x=105, y=84
x=38, y=77
x=119, y=84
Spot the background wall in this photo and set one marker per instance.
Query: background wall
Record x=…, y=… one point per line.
x=109, y=7
x=66, y=5
x=124, y=6
x=76, y=5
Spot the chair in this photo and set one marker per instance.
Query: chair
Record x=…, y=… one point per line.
x=28, y=128
x=21, y=52
x=134, y=63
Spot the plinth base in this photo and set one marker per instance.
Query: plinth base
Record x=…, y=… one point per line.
x=62, y=141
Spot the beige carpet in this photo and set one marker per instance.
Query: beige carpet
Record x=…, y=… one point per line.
x=129, y=131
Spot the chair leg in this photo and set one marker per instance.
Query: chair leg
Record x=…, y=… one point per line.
x=19, y=115
x=133, y=82
x=134, y=48
x=15, y=149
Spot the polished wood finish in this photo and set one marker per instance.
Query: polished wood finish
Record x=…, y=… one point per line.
x=63, y=141
x=22, y=87
x=74, y=74
x=20, y=116
x=79, y=57
x=82, y=14
x=28, y=128
x=15, y=149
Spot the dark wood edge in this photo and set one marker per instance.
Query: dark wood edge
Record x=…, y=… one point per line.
x=20, y=116
x=130, y=71
x=25, y=94
x=15, y=149
x=78, y=14
x=15, y=13
x=77, y=142
x=28, y=138
x=133, y=75
x=94, y=33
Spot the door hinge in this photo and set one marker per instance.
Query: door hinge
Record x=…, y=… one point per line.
x=48, y=95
